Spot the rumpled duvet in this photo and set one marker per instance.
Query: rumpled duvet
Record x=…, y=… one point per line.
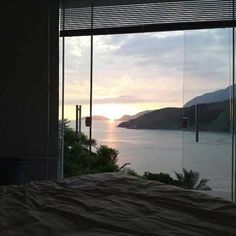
x=111, y=204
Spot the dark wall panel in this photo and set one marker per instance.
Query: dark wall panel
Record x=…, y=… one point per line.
x=29, y=83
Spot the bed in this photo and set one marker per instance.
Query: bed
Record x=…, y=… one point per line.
x=111, y=204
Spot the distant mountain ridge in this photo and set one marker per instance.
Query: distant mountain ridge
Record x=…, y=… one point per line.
x=129, y=117
x=216, y=96
x=214, y=114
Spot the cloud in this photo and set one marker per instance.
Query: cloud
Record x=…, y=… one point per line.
x=154, y=67
x=202, y=53
x=120, y=100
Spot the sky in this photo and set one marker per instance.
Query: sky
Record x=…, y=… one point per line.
x=137, y=72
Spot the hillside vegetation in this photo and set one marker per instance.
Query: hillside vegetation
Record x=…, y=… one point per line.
x=212, y=117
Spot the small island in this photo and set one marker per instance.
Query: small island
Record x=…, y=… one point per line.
x=97, y=117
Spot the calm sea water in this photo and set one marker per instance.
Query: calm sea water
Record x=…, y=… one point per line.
x=168, y=151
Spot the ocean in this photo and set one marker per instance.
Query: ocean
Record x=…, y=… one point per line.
x=169, y=150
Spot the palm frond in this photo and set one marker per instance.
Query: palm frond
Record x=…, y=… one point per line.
x=180, y=178
x=202, y=183
x=187, y=179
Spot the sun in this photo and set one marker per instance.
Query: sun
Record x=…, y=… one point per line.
x=112, y=111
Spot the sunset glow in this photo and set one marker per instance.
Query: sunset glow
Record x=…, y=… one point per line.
x=137, y=72
x=111, y=111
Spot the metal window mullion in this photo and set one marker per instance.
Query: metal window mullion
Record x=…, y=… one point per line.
x=91, y=87
x=61, y=172
x=234, y=109
x=48, y=90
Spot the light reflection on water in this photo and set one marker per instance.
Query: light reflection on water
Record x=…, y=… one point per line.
x=169, y=151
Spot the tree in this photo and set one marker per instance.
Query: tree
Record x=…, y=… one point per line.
x=105, y=159
x=77, y=154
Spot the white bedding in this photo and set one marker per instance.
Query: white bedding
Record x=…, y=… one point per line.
x=111, y=204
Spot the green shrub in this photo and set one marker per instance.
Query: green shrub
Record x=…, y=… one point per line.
x=77, y=154
x=161, y=177
x=186, y=179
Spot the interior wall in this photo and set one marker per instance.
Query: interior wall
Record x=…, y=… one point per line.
x=29, y=85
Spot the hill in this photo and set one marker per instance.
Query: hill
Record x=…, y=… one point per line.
x=216, y=96
x=130, y=117
x=212, y=117
x=156, y=119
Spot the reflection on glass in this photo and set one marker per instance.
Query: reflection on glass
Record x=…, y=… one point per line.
x=207, y=107
x=77, y=92
x=135, y=74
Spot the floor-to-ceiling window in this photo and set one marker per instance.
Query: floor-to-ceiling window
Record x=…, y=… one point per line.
x=163, y=100
x=151, y=73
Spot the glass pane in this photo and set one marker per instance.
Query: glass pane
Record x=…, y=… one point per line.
x=207, y=108
x=77, y=92
x=136, y=73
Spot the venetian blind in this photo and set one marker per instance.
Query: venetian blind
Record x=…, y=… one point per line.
x=98, y=17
